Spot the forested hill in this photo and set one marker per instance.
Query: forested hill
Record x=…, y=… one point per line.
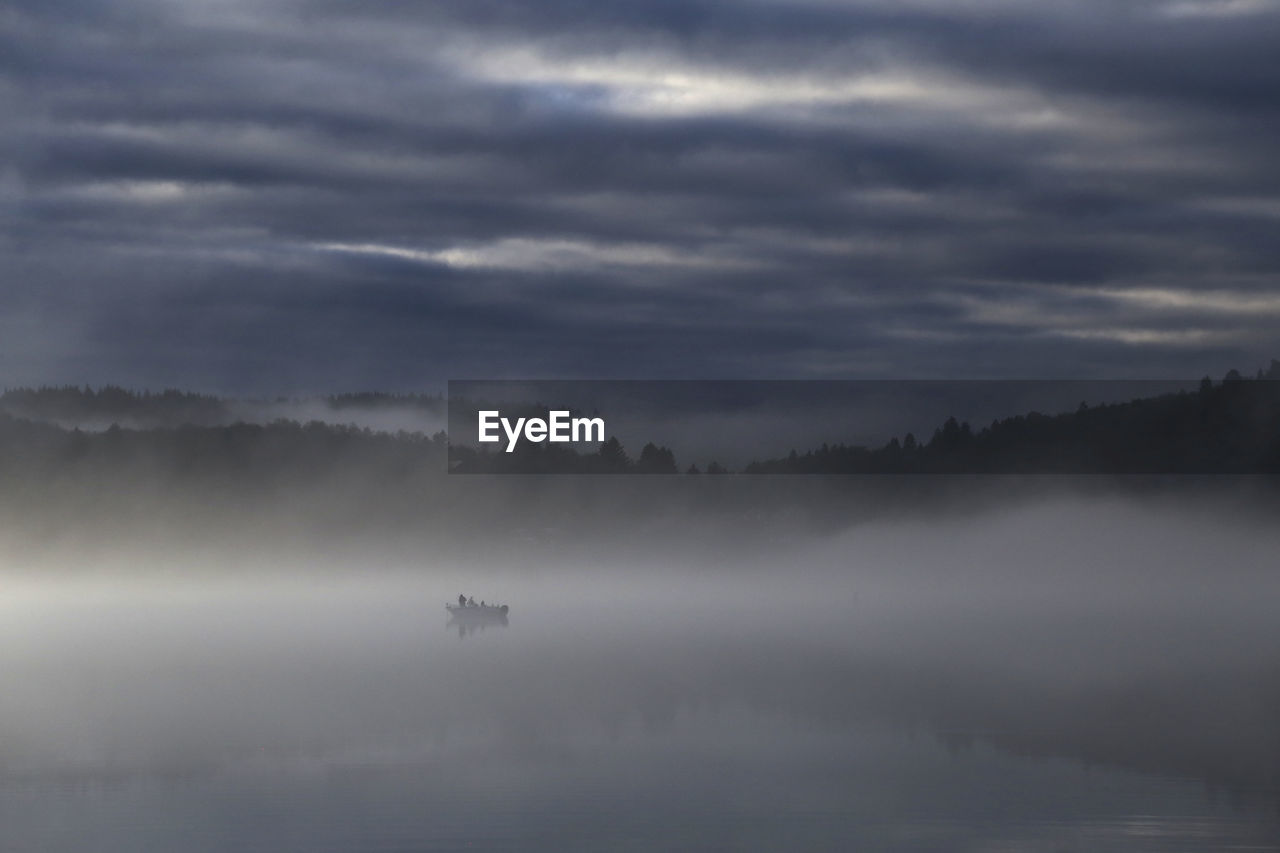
x=1231, y=427
x=97, y=408
x=249, y=454
x=76, y=406
x=288, y=475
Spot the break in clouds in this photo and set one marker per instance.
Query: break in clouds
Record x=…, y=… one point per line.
x=303, y=196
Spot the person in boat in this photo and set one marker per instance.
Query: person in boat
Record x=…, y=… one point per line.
x=462, y=600
x=471, y=602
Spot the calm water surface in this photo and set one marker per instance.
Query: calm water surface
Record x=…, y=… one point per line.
x=820, y=706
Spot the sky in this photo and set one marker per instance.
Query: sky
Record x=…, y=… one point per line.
x=253, y=197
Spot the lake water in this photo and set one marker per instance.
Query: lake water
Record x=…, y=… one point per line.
x=1058, y=680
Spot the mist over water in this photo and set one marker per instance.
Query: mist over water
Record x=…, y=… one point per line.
x=1071, y=674
x=929, y=354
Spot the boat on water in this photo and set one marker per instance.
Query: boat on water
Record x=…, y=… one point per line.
x=469, y=618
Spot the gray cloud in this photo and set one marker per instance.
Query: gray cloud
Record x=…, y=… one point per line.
x=309, y=196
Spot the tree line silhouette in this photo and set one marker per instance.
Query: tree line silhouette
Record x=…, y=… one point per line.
x=82, y=405
x=1232, y=426
x=529, y=458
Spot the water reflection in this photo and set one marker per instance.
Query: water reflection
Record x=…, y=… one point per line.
x=468, y=619
x=722, y=714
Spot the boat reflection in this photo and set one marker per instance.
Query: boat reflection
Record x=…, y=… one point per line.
x=471, y=618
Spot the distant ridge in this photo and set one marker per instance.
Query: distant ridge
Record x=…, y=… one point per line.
x=72, y=406
x=1232, y=427
x=1227, y=427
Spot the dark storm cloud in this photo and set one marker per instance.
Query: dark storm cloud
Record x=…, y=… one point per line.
x=312, y=195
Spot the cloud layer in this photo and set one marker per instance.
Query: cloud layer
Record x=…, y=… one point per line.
x=298, y=195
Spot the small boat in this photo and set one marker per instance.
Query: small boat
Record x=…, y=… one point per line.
x=469, y=618
x=482, y=611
